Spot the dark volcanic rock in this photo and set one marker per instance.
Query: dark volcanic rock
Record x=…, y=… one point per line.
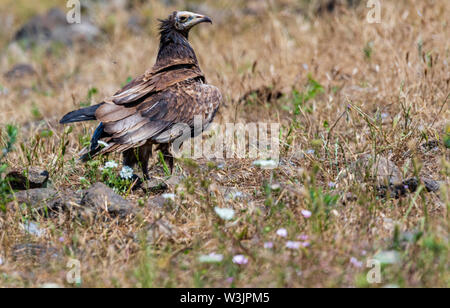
x=28, y=179
x=19, y=71
x=408, y=186
x=101, y=198
x=430, y=185
x=53, y=27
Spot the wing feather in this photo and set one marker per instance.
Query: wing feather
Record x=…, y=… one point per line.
x=151, y=82
x=160, y=117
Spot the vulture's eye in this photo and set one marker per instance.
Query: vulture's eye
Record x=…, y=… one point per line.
x=183, y=18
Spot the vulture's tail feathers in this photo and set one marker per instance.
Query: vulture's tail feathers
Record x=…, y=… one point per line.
x=80, y=115
x=89, y=152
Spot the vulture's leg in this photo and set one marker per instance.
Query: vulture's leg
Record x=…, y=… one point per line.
x=144, y=153
x=168, y=157
x=130, y=159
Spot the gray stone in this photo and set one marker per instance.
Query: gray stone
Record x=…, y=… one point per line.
x=47, y=201
x=53, y=27
x=101, y=198
x=38, y=198
x=34, y=252
x=28, y=179
x=158, y=203
x=382, y=170
x=19, y=71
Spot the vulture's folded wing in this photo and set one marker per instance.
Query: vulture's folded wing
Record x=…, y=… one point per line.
x=130, y=126
x=154, y=81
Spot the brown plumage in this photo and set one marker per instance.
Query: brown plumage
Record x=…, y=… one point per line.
x=144, y=112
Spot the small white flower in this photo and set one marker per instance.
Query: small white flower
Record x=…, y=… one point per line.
x=240, y=259
x=306, y=244
x=211, y=258
x=268, y=245
x=282, y=232
x=111, y=165
x=225, y=214
x=303, y=237
x=1, y=261
x=293, y=245
x=307, y=214
x=126, y=173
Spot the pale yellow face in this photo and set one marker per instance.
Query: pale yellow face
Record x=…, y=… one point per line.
x=185, y=20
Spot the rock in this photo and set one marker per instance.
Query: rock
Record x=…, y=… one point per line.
x=38, y=198
x=33, y=229
x=101, y=198
x=408, y=186
x=28, y=179
x=159, y=202
x=382, y=171
x=387, y=177
x=53, y=27
x=156, y=186
x=47, y=200
x=34, y=252
x=432, y=145
x=20, y=71
x=84, y=204
x=430, y=185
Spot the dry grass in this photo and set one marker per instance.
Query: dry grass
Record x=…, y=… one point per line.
x=397, y=70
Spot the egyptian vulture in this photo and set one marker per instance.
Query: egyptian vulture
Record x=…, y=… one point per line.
x=145, y=111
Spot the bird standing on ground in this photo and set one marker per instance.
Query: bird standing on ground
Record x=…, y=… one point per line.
x=144, y=112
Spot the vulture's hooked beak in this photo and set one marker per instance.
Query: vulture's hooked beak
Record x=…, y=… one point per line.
x=201, y=18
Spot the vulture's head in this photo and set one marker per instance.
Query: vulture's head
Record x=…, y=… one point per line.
x=183, y=21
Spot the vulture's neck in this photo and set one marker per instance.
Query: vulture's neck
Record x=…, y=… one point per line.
x=174, y=49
